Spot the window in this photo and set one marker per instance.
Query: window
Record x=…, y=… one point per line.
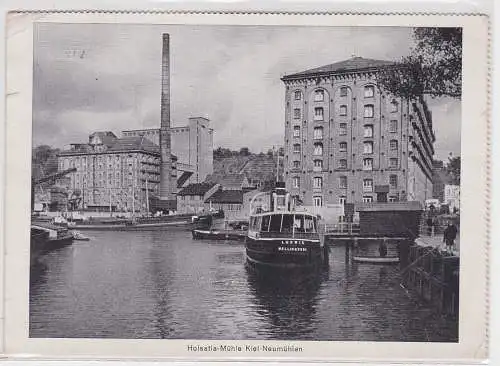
x=393, y=181
x=369, y=91
x=368, y=131
x=296, y=113
x=342, y=200
x=318, y=114
x=296, y=131
x=296, y=148
x=343, y=146
x=318, y=164
x=296, y=164
x=319, y=95
x=342, y=164
x=367, y=164
x=393, y=199
x=394, y=106
x=393, y=163
x=296, y=182
x=343, y=129
x=393, y=144
x=318, y=132
x=317, y=182
x=318, y=149
x=343, y=182
x=393, y=126
x=297, y=95
x=318, y=201
x=368, y=147
x=367, y=185
x=343, y=91
x=343, y=110
x=368, y=111
x=367, y=199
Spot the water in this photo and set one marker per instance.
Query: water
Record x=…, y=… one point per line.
x=164, y=284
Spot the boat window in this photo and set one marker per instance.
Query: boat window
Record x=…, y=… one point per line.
x=309, y=224
x=298, y=223
x=275, y=224
x=265, y=223
x=287, y=225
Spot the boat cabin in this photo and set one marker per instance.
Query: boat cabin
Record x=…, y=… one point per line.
x=293, y=225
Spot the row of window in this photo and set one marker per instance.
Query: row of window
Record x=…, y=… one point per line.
x=367, y=183
x=367, y=147
x=342, y=164
x=319, y=112
x=318, y=200
x=319, y=94
x=367, y=132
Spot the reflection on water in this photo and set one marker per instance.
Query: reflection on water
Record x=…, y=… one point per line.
x=163, y=284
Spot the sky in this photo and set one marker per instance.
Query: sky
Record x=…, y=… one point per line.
x=96, y=77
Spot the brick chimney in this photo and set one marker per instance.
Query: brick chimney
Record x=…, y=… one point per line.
x=166, y=181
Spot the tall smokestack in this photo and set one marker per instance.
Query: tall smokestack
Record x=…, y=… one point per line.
x=166, y=189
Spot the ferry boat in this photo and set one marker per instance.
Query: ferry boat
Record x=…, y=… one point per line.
x=283, y=236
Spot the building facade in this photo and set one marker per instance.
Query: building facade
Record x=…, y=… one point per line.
x=114, y=174
x=191, y=199
x=192, y=144
x=347, y=141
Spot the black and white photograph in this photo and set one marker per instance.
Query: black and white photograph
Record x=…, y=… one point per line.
x=245, y=182
x=253, y=186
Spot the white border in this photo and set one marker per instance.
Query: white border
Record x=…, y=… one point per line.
x=473, y=322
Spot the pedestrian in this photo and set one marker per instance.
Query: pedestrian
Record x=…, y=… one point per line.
x=450, y=234
x=429, y=226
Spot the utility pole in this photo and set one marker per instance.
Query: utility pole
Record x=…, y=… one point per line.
x=147, y=195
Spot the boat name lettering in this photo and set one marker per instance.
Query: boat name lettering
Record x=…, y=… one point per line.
x=292, y=242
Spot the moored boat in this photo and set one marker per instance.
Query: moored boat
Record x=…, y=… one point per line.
x=79, y=236
x=284, y=237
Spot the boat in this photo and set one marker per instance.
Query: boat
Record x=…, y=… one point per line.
x=375, y=260
x=79, y=236
x=130, y=224
x=283, y=236
x=219, y=234
x=48, y=237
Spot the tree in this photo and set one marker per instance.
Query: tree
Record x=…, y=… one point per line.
x=244, y=151
x=453, y=169
x=434, y=66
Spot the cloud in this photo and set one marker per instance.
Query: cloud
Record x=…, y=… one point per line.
x=108, y=76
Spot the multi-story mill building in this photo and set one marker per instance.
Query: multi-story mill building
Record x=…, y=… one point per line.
x=114, y=174
x=346, y=140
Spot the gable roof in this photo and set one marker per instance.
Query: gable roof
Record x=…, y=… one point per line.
x=196, y=189
x=226, y=197
x=107, y=137
x=352, y=64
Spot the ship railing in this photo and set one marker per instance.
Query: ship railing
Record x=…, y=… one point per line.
x=291, y=235
x=342, y=228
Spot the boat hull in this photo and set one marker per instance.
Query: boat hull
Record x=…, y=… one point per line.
x=376, y=260
x=218, y=235
x=284, y=252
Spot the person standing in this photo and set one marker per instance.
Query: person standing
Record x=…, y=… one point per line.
x=450, y=234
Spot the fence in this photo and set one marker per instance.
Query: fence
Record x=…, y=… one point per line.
x=342, y=228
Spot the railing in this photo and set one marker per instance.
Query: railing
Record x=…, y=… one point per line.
x=296, y=235
x=342, y=228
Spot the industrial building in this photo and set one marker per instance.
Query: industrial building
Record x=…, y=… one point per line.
x=348, y=141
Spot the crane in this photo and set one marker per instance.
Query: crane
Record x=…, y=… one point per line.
x=52, y=177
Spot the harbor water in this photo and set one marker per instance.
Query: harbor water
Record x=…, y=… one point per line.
x=164, y=284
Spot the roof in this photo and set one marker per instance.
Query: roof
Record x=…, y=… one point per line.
x=352, y=64
x=226, y=197
x=132, y=143
x=196, y=189
x=388, y=206
x=107, y=137
x=232, y=180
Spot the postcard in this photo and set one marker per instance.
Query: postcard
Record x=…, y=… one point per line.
x=220, y=186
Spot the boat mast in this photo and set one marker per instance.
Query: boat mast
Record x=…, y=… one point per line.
x=133, y=193
x=277, y=164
